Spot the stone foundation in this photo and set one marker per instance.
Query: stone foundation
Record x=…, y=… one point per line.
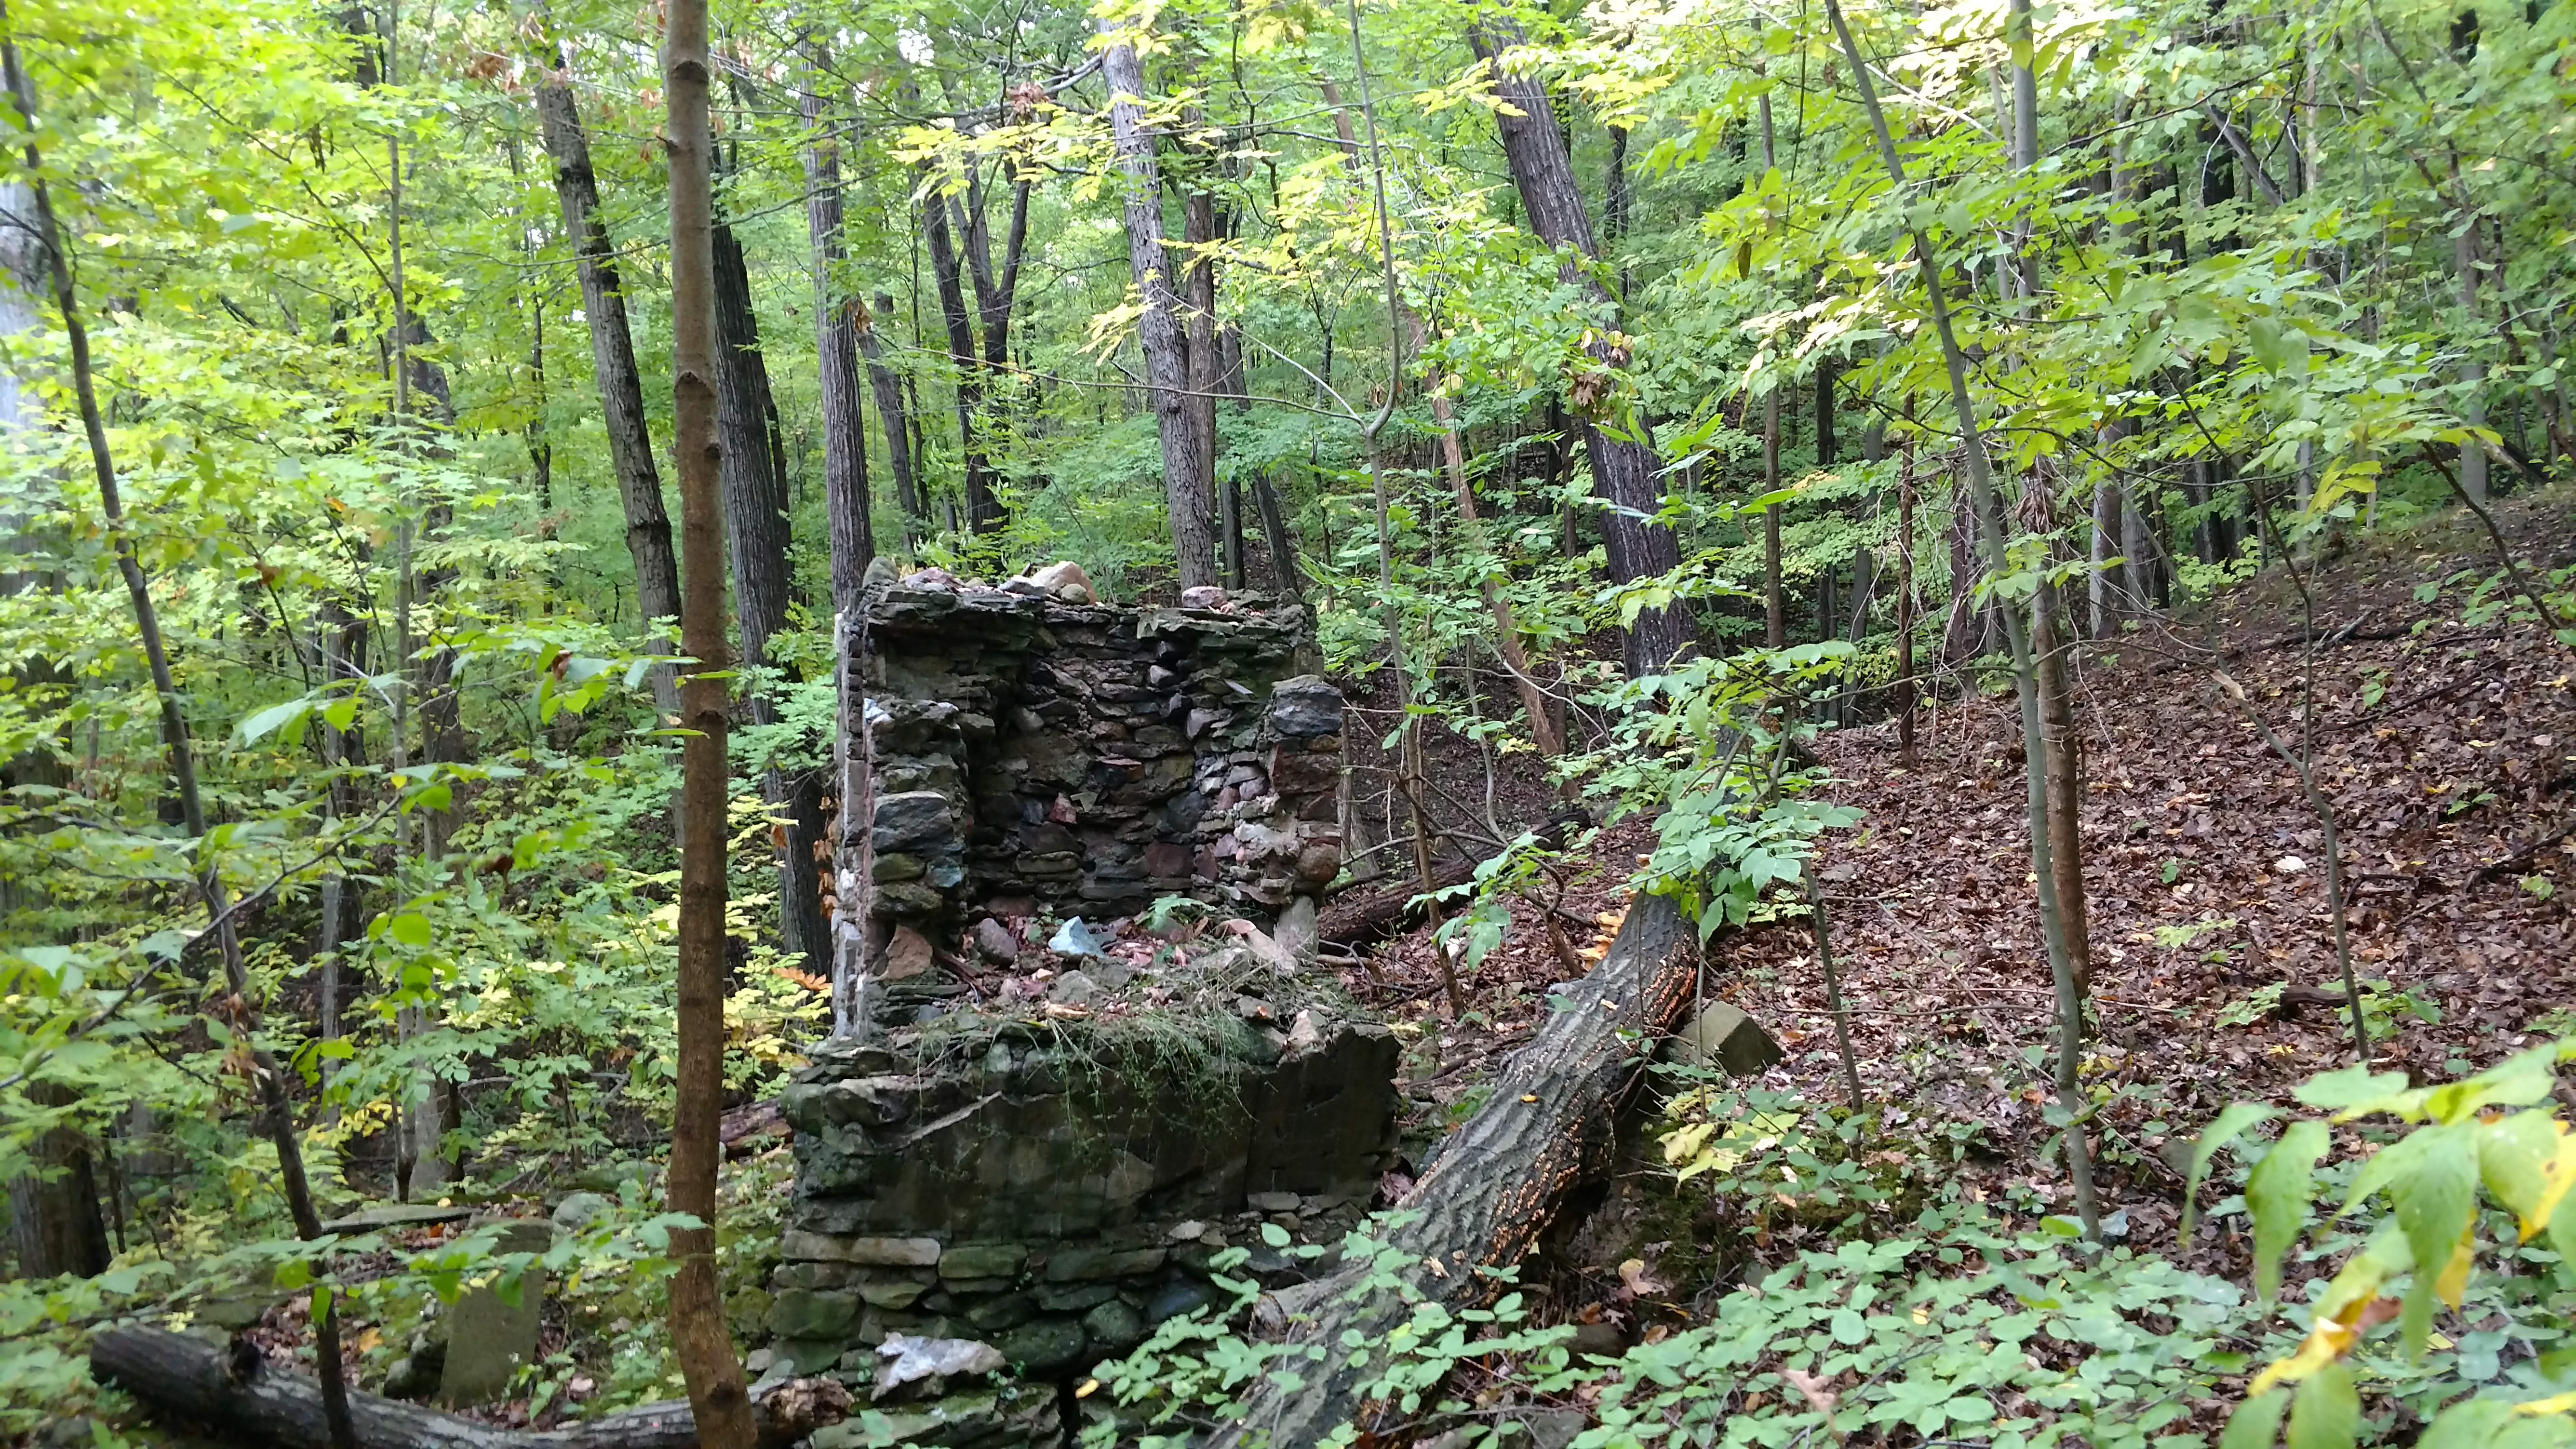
x=1043, y=1147
x=1036, y=758
x=1057, y=1197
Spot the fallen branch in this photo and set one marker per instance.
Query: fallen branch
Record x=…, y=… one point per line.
x=229, y=1388
x=1364, y=920
x=1492, y=1187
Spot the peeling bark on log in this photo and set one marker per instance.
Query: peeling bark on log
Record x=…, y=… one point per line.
x=1362, y=920
x=187, y=1377
x=1492, y=1187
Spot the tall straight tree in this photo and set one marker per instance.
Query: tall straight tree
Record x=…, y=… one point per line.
x=699, y=1337
x=996, y=294
x=890, y=412
x=1158, y=327
x=1984, y=500
x=756, y=522
x=983, y=508
x=1195, y=265
x=612, y=357
x=845, y=428
x=54, y=1222
x=1624, y=466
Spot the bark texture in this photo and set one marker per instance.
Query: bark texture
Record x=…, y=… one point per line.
x=1491, y=1188
x=845, y=430
x=721, y=1408
x=55, y=1226
x=1625, y=468
x=228, y=1388
x=890, y=411
x=983, y=510
x=1158, y=327
x=612, y=354
x=756, y=526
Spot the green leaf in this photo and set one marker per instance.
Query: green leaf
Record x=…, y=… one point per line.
x=1849, y=1328
x=2276, y=1193
x=2435, y=1202
x=2355, y=1091
x=1275, y=1235
x=2518, y=1081
x=411, y=928
x=2327, y=1412
x=2386, y=1256
x=2515, y=1155
x=2256, y=1424
x=2473, y=1425
x=2231, y=1124
x=271, y=719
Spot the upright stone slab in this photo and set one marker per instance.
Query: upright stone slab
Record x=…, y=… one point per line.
x=488, y=1341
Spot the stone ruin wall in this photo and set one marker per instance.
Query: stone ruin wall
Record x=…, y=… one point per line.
x=991, y=1168
x=1036, y=758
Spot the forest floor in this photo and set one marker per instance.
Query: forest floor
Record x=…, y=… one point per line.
x=2445, y=737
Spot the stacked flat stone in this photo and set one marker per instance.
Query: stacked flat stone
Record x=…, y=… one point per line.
x=1051, y=1212
x=1042, y=758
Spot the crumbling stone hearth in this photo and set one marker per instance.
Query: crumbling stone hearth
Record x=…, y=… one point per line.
x=1036, y=757
x=1046, y=1130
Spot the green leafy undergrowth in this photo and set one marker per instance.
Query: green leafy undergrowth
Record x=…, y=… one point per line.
x=2451, y=1226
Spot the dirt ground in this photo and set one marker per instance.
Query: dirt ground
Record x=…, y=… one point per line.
x=2444, y=737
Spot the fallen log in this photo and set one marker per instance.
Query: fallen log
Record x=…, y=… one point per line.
x=1490, y=1189
x=1355, y=921
x=231, y=1389
x=1360, y=920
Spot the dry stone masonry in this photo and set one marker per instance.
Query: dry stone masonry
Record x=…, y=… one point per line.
x=1042, y=757
x=1061, y=1118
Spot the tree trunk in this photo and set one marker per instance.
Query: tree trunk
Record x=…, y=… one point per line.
x=1284, y=574
x=1775, y=604
x=995, y=296
x=1989, y=509
x=341, y=639
x=275, y=1117
x=1158, y=328
x=996, y=293
x=890, y=413
x=612, y=355
x=1624, y=472
x=2102, y=544
x=1827, y=453
x=699, y=1338
x=2473, y=369
x=1545, y=731
x=55, y=1226
x=1489, y=1189
x=197, y=1380
x=756, y=526
x=845, y=428
x=2053, y=643
x=983, y=510
x=755, y=496
x=1206, y=369
x=1906, y=691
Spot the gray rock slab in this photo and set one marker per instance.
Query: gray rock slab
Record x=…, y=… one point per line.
x=489, y=1338
x=1725, y=1037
